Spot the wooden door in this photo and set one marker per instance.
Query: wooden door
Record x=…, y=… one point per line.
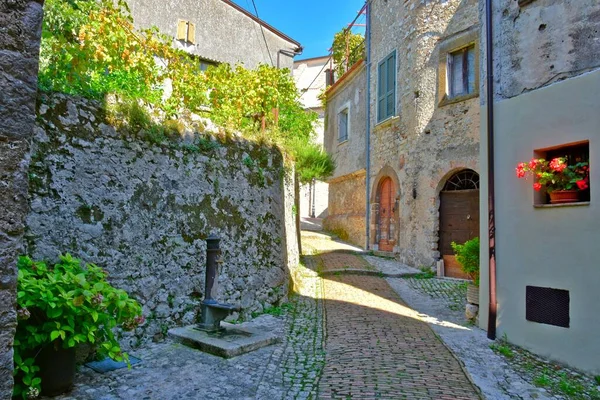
x=386, y=213
x=459, y=222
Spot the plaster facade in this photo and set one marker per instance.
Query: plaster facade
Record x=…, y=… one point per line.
x=547, y=78
x=224, y=31
x=347, y=191
x=427, y=139
x=20, y=32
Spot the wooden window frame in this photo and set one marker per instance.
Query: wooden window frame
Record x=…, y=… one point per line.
x=464, y=54
x=449, y=46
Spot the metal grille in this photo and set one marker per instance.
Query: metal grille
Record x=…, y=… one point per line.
x=547, y=306
x=463, y=180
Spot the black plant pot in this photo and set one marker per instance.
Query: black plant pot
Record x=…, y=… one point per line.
x=57, y=369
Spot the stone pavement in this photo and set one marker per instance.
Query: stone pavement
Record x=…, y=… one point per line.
x=376, y=347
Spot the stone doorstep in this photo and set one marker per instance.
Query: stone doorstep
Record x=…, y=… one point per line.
x=234, y=342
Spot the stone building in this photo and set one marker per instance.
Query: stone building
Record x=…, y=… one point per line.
x=345, y=139
x=312, y=76
x=546, y=69
x=417, y=166
x=217, y=31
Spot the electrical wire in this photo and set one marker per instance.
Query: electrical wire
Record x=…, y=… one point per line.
x=263, y=34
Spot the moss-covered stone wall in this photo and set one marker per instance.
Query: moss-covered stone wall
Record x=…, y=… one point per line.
x=142, y=210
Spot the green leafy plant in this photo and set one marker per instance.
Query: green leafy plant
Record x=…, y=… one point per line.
x=347, y=48
x=467, y=255
x=65, y=305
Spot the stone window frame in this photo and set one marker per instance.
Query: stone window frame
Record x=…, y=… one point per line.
x=449, y=46
x=341, y=109
x=379, y=119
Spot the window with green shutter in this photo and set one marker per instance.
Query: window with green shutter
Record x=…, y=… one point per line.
x=386, y=84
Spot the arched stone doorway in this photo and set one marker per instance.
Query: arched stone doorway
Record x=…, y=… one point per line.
x=384, y=205
x=459, y=217
x=385, y=228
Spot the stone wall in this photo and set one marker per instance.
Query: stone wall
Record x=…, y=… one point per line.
x=20, y=32
x=223, y=33
x=142, y=211
x=347, y=208
x=428, y=139
x=347, y=192
x=543, y=42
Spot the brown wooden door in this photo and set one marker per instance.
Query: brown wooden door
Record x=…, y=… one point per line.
x=459, y=222
x=386, y=212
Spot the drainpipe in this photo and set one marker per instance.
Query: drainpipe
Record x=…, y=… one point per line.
x=368, y=131
x=290, y=53
x=491, y=332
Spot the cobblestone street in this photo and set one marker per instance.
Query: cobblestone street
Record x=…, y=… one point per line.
x=376, y=346
x=345, y=336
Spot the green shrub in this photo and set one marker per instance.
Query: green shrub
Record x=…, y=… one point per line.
x=467, y=255
x=66, y=305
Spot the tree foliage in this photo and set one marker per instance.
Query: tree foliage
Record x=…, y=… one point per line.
x=348, y=48
x=91, y=48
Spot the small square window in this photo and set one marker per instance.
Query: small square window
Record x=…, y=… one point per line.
x=461, y=72
x=574, y=155
x=343, y=125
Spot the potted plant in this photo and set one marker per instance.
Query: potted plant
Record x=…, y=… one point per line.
x=467, y=255
x=561, y=180
x=58, y=308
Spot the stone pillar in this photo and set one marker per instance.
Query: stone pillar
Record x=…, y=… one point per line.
x=20, y=33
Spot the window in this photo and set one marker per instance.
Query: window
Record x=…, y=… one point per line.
x=458, y=67
x=329, y=77
x=343, y=125
x=205, y=64
x=386, y=92
x=186, y=31
x=461, y=72
x=574, y=153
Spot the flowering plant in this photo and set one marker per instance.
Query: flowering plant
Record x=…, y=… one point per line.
x=556, y=174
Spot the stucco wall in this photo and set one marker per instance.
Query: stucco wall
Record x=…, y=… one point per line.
x=20, y=32
x=545, y=96
x=425, y=142
x=543, y=42
x=346, y=212
x=223, y=33
x=142, y=211
x=558, y=240
x=310, y=74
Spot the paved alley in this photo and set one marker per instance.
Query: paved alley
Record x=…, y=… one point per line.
x=377, y=347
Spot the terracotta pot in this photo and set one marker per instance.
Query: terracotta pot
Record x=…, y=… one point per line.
x=57, y=369
x=564, y=196
x=472, y=294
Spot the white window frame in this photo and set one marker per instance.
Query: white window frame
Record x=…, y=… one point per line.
x=347, y=108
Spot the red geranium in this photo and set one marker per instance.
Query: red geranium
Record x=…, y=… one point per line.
x=555, y=174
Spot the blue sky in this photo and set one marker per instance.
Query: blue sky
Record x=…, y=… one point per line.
x=311, y=22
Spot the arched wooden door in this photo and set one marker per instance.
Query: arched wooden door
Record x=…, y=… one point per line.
x=459, y=217
x=386, y=213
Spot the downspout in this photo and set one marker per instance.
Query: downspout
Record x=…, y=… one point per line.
x=368, y=130
x=492, y=311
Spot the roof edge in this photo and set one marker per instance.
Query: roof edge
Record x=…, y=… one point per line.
x=346, y=77
x=261, y=22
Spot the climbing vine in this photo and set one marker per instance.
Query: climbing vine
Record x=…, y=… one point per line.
x=348, y=48
x=91, y=48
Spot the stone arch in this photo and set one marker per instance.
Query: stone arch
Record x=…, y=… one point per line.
x=19, y=49
x=384, y=174
x=458, y=214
